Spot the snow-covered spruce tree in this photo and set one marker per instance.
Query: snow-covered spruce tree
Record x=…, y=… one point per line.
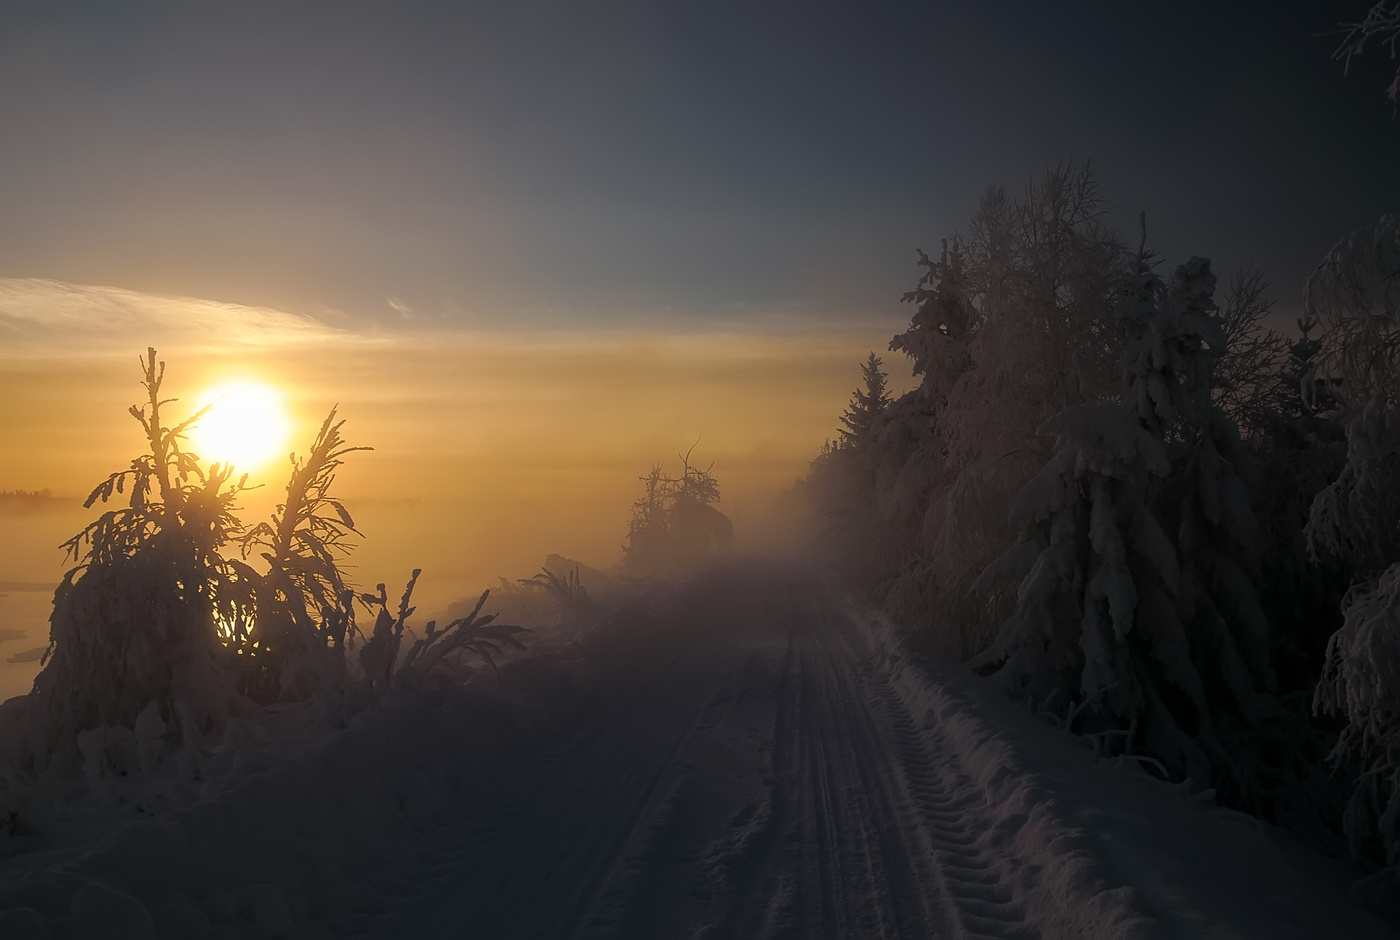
x=1015, y=323
x=909, y=442
x=1355, y=294
x=1117, y=621
x=1207, y=504
x=1092, y=555
x=1044, y=271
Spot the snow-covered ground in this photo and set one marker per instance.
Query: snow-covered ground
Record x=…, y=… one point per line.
x=748, y=755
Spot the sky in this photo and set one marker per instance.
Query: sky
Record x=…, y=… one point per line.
x=531, y=248
x=575, y=163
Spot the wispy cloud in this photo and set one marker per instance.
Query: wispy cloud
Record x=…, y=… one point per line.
x=39, y=316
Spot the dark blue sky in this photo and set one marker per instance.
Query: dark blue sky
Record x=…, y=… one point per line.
x=683, y=162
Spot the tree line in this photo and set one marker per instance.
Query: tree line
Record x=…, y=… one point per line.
x=1121, y=495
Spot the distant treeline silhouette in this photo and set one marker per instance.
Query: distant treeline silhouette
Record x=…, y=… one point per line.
x=25, y=502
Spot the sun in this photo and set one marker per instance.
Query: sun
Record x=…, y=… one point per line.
x=246, y=426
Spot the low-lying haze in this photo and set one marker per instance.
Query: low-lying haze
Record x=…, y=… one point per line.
x=490, y=448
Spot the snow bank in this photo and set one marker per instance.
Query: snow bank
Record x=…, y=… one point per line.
x=1116, y=852
x=316, y=838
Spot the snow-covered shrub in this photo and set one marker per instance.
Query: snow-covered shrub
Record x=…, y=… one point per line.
x=675, y=525
x=568, y=592
x=385, y=665
x=134, y=622
x=290, y=629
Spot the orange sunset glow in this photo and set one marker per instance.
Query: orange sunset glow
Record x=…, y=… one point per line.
x=491, y=449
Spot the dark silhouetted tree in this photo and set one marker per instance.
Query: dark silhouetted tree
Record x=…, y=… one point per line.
x=867, y=404
x=1138, y=611
x=675, y=525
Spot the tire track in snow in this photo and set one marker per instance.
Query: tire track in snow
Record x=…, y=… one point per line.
x=866, y=837
x=956, y=817
x=906, y=861
x=763, y=778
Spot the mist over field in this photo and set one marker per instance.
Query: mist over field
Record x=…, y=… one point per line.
x=491, y=450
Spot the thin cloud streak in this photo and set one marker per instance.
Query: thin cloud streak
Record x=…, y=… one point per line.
x=41, y=317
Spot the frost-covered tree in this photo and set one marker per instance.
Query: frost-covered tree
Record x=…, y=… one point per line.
x=1355, y=294
x=944, y=319
x=159, y=636
x=910, y=445
x=134, y=622
x=1136, y=609
x=1361, y=682
x=1207, y=504
x=1091, y=554
x=675, y=524
x=1245, y=382
x=1381, y=24
x=1014, y=324
x=1043, y=271
x=876, y=502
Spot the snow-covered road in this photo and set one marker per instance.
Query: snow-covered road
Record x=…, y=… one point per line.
x=758, y=775
x=748, y=756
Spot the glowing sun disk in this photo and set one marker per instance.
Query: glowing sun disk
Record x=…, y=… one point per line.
x=246, y=426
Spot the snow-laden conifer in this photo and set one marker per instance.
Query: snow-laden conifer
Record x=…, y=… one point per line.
x=1014, y=323
x=1355, y=295
x=1136, y=608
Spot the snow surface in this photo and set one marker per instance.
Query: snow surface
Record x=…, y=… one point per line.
x=747, y=755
